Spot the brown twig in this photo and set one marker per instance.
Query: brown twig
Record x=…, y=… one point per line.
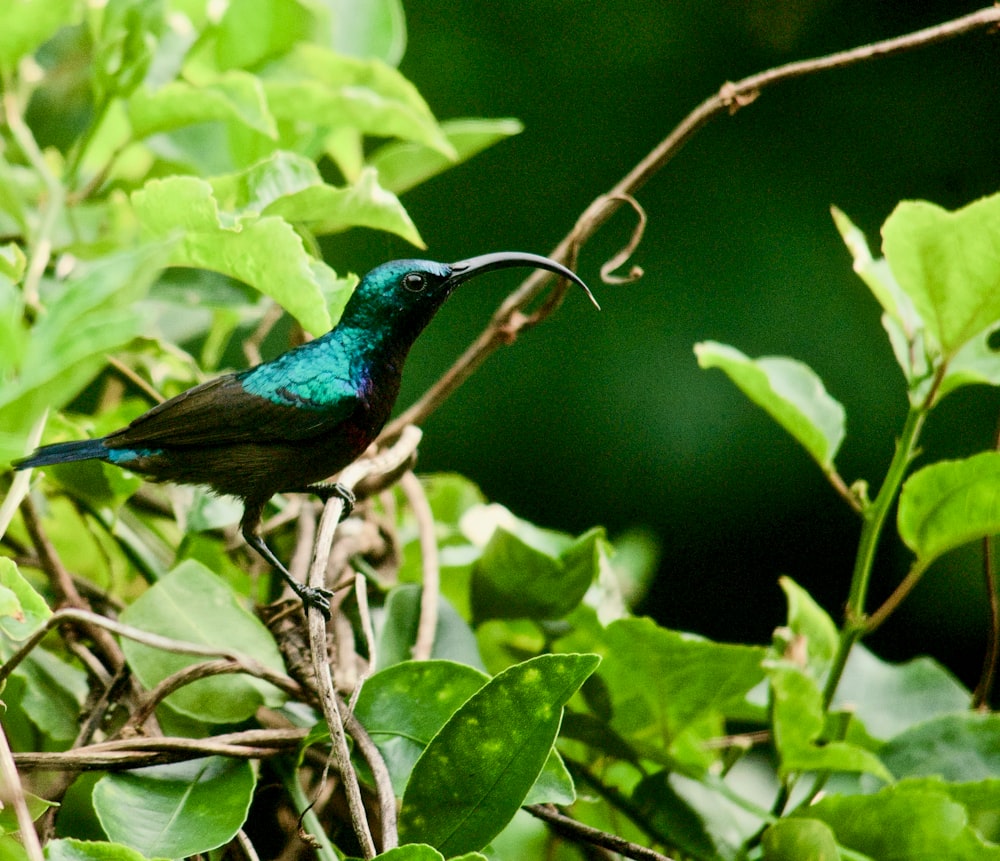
x=580, y=833
x=386, y=461
x=135, y=752
x=12, y=795
x=427, y=626
x=510, y=318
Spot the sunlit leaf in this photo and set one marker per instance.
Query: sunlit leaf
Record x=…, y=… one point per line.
x=23, y=611
x=375, y=28
x=806, y=619
x=29, y=23
x=262, y=251
x=950, y=503
x=789, y=391
x=949, y=265
x=235, y=97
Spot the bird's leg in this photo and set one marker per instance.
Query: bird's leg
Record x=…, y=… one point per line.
x=325, y=489
x=309, y=595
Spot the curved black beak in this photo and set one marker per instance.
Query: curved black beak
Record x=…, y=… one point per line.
x=466, y=269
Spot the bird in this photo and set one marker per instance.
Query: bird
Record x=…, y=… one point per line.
x=287, y=425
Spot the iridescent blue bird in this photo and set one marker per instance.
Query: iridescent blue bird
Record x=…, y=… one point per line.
x=287, y=425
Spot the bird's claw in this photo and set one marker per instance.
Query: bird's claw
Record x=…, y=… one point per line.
x=317, y=598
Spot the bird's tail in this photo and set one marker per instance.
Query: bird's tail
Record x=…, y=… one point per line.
x=63, y=452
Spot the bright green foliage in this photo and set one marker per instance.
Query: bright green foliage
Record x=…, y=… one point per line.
x=950, y=503
x=789, y=391
x=177, y=200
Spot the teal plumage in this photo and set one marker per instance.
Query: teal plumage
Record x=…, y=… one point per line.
x=288, y=424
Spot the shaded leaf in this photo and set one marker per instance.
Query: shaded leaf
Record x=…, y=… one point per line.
x=911, y=821
x=477, y=770
x=193, y=605
x=889, y=698
x=789, y=391
x=53, y=696
x=663, y=683
x=950, y=503
x=799, y=724
x=957, y=747
x=453, y=638
x=799, y=839
x=528, y=572
x=177, y=810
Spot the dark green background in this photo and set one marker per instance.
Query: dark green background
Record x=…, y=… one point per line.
x=606, y=418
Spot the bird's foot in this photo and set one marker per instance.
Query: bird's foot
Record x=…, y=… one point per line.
x=318, y=598
x=324, y=490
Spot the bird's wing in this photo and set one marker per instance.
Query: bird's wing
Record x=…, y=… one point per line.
x=222, y=412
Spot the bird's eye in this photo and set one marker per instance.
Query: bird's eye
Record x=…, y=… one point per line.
x=414, y=282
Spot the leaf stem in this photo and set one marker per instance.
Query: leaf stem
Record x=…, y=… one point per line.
x=871, y=531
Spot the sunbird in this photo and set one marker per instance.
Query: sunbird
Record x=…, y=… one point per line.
x=288, y=425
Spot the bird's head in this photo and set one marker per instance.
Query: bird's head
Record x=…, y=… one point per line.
x=407, y=293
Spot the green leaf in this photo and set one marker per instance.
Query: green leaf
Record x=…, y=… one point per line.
x=799, y=839
x=386, y=709
x=68, y=849
x=911, y=821
x=251, y=31
x=193, y=605
x=29, y=23
x=958, y=747
x=890, y=698
x=12, y=261
x=177, y=810
x=262, y=251
x=401, y=165
x=949, y=265
x=453, y=638
x=376, y=28
x=476, y=772
x=290, y=186
x=950, y=503
x=125, y=46
x=23, y=611
x=664, y=683
x=235, y=97
x=36, y=807
x=527, y=572
x=90, y=315
x=334, y=91
x=806, y=619
x=976, y=363
x=799, y=725
x=53, y=694
x=789, y=391
x=411, y=852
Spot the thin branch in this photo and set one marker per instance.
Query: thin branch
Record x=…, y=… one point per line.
x=135, y=752
x=580, y=833
x=12, y=794
x=510, y=318
x=891, y=603
x=193, y=672
x=386, y=461
x=427, y=626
